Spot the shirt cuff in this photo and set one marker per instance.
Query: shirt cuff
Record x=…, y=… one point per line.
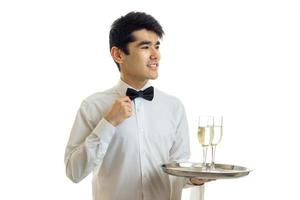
x=104, y=130
x=188, y=183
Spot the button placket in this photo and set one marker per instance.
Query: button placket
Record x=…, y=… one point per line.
x=138, y=104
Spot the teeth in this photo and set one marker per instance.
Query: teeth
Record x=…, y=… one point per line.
x=152, y=65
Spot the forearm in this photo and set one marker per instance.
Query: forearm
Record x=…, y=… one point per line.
x=80, y=161
x=82, y=158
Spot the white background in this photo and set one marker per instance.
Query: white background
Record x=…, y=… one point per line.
x=238, y=58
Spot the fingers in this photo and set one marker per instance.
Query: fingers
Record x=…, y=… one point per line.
x=119, y=111
x=200, y=181
x=125, y=99
x=127, y=111
x=125, y=104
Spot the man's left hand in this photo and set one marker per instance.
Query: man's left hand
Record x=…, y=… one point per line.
x=200, y=181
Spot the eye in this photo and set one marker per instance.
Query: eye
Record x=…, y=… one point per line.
x=145, y=47
x=157, y=47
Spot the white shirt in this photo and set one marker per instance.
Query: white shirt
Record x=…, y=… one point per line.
x=126, y=160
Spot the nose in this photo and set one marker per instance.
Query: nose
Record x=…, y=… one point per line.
x=154, y=53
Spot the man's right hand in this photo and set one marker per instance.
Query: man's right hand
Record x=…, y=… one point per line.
x=119, y=111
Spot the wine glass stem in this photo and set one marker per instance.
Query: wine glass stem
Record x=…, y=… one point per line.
x=213, y=153
x=204, y=156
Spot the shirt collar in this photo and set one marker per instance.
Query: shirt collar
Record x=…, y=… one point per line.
x=121, y=87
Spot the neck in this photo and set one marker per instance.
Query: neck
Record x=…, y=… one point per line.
x=134, y=83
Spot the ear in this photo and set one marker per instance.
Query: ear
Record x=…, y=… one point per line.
x=116, y=54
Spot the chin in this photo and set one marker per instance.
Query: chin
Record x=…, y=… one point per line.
x=153, y=77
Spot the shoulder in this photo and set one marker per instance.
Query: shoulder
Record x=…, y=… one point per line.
x=99, y=100
x=170, y=106
x=98, y=96
x=168, y=99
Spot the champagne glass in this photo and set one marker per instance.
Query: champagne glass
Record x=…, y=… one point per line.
x=205, y=128
x=216, y=137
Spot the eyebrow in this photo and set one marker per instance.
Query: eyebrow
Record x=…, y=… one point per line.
x=147, y=43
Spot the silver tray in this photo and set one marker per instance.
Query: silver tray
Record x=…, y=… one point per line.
x=221, y=171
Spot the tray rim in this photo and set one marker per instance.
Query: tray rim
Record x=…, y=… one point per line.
x=206, y=174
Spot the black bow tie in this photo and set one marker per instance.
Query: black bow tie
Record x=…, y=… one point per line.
x=146, y=94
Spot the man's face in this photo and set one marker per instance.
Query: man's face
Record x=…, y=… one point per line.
x=143, y=60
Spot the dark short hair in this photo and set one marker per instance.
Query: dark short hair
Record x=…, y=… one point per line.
x=121, y=30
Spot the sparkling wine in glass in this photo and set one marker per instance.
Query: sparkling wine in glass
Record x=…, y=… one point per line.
x=205, y=128
x=216, y=137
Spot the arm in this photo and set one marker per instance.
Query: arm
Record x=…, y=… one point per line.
x=180, y=150
x=87, y=145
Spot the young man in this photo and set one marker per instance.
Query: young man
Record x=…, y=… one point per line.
x=126, y=133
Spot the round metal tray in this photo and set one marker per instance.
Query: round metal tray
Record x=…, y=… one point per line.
x=221, y=171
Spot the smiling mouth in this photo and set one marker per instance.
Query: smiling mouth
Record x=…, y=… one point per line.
x=153, y=65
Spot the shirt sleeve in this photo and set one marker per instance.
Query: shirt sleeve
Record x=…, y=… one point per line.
x=180, y=151
x=87, y=145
